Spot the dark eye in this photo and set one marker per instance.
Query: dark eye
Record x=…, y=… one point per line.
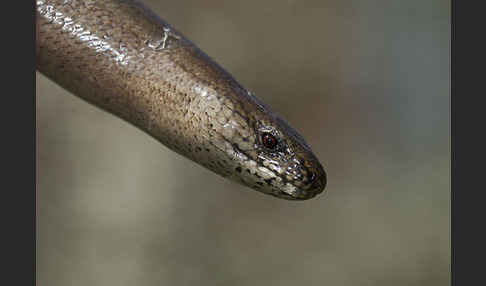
x=269, y=141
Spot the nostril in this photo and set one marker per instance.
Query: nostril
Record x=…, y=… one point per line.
x=312, y=176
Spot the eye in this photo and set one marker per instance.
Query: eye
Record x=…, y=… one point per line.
x=269, y=141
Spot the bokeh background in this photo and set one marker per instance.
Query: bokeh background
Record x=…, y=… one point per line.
x=367, y=84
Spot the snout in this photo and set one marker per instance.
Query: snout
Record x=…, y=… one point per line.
x=312, y=182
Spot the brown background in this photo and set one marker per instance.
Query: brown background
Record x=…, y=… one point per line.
x=366, y=82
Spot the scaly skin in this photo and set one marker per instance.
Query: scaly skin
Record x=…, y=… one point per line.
x=121, y=57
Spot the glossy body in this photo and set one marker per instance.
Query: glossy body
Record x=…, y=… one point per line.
x=121, y=57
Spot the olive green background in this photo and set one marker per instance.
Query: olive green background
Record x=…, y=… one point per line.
x=365, y=82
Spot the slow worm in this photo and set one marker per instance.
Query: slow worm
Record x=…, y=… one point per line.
x=121, y=57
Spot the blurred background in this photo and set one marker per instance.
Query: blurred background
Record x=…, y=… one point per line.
x=365, y=82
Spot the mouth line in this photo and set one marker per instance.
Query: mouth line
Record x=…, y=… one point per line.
x=297, y=194
x=288, y=197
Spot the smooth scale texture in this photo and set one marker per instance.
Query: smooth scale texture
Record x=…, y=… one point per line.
x=121, y=57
